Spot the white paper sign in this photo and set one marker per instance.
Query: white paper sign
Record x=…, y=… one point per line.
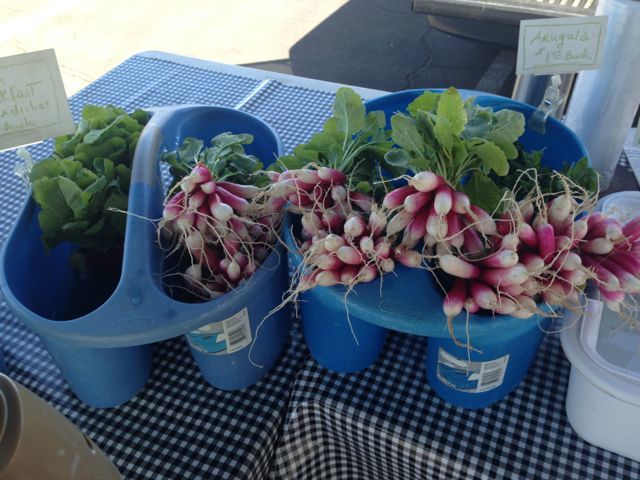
x=33, y=104
x=561, y=45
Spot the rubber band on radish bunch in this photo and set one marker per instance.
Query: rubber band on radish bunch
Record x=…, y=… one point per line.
x=213, y=221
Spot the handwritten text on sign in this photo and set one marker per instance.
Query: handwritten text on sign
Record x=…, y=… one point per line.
x=33, y=104
x=561, y=45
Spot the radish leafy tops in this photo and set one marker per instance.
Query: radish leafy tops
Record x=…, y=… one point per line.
x=351, y=141
x=225, y=158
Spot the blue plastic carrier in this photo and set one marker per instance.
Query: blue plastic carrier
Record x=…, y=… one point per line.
x=408, y=301
x=105, y=354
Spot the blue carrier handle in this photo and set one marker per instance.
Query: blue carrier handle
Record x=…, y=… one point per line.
x=140, y=311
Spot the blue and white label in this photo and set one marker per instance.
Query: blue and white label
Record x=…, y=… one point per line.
x=224, y=337
x=468, y=376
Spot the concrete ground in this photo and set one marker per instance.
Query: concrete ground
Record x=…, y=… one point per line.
x=378, y=44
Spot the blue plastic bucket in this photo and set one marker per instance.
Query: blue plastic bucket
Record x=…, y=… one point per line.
x=408, y=301
x=101, y=338
x=338, y=339
x=480, y=376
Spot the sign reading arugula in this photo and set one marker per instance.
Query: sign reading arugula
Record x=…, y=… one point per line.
x=561, y=45
x=33, y=103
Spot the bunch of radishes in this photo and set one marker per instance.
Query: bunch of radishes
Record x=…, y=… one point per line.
x=224, y=233
x=340, y=230
x=430, y=210
x=611, y=252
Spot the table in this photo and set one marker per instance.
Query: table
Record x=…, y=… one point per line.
x=301, y=421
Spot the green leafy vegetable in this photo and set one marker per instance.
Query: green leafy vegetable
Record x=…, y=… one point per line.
x=87, y=176
x=580, y=173
x=225, y=158
x=351, y=141
x=454, y=139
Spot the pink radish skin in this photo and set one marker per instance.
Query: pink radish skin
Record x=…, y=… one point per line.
x=333, y=242
x=458, y=267
x=628, y=281
x=575, y=278
x=333, y=220
x=559, y=211
x=605, y=276
x=399, y=221
x=307, y=175
x=387, y=265
x=348, y=274
x=471, y=306
x=505, y=306
x=350, y=255
x=415, y=230
x=377, y=222
x=563, y=243
x=436, y=225
x=367, y=245
x=454, y=299
x=461, y=203
x=426, y=181
x=631, y=229
x=408, y=258
x=567, y=261
x=383, y=249
x=473, y=244
x=327, y=262
x=630, y=263
x=499, y=277
x=608, y=228
x=243, y=191
x=482, y=220
x=528, y=236
x=454, y=227
x=599, y=246
x=510, y=242
x=526, y=210
x=367, y=274
x=185, y=221
x=416, y=201
x=395, y=198
x=328, y=278
x=239, y=228
x=239, y=204
x=533, y=262
x=512, y=290
x=355, y=226
x=506, y=224
x=484, y=295
x=443, y=200
x=332, y=175
x=501, y=259
x=546, y=241
x=362, y=201
x=199, y=174
x=338, y=193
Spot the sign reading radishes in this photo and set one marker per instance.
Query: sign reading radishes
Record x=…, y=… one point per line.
x=33, y=103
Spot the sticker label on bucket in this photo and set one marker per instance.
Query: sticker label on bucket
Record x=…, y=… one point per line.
x=224, y=337
x=471, y=377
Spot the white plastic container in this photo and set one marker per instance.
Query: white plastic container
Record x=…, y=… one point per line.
x=603, y=397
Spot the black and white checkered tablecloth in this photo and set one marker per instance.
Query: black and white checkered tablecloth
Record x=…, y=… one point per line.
x=301, y=421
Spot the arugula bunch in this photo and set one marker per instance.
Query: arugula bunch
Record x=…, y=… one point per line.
x=225, y=158
x=352, y=141
x=86, y=177
x=460, y=141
